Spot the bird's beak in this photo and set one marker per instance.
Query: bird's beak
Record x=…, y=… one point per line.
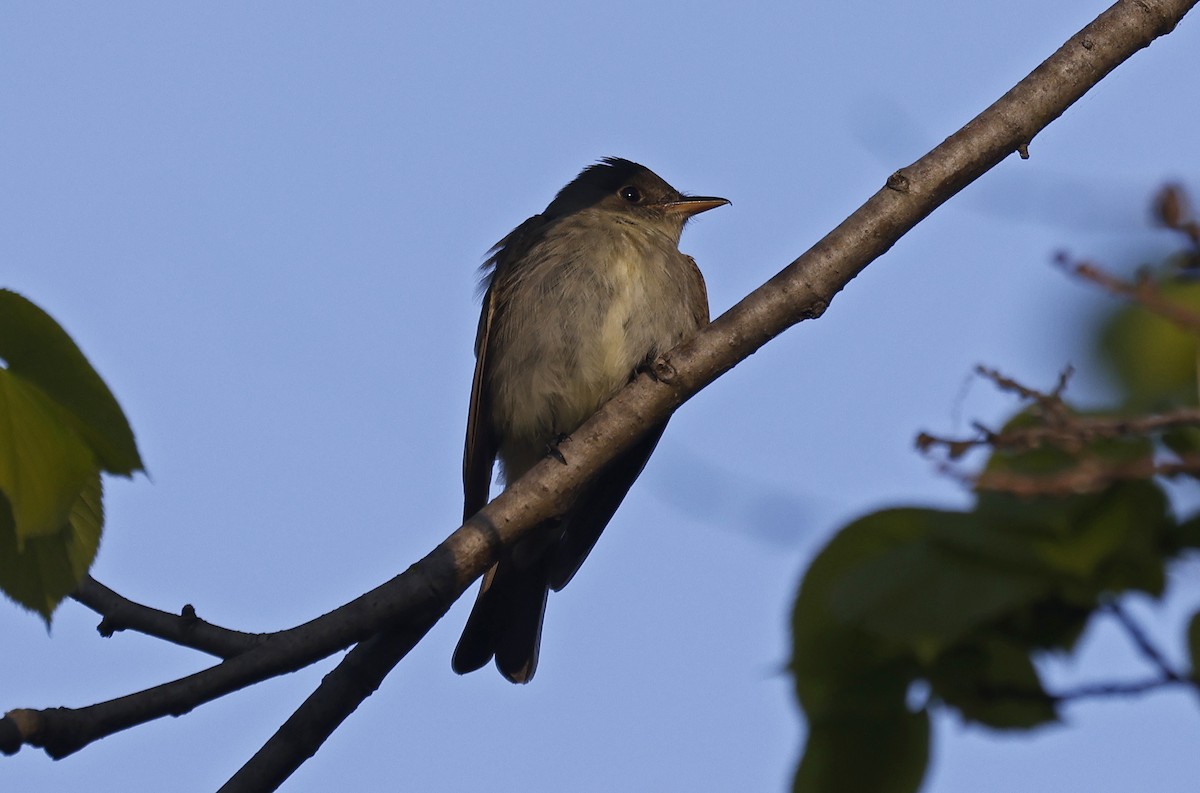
x=693, y=205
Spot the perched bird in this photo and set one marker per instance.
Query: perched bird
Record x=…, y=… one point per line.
x=577, y=300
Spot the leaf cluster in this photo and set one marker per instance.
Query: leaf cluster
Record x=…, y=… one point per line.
x=911, y=609
x=60, y=427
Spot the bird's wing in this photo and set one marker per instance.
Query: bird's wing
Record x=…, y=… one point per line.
x=587, y=517
x=479, y=453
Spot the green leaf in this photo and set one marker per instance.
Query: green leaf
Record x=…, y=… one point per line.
x=39, y=572
x=1153, y=359
x=927, y=593
x=1113, y=542
x=1186, y=534
x=1184, y=441
x=993, y=682
x=44, y=463
x=1055, y=623
x=59, y=428
x=39, y=352
x=826, y=648
x=885, y=753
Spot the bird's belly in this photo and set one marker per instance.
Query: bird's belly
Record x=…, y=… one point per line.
x=588, y=356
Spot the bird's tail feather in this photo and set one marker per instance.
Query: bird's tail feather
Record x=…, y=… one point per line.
x=506, y=622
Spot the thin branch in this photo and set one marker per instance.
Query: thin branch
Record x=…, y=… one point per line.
x=419, y=596
x=1073, y=435
x=1144, y=291
x=1051, y=404
x=185, y=629
x=339, y=695
x=1132, y=688
x=1142, y=642
x=1088, y=475
x=1167, y=675
x=1174, y=210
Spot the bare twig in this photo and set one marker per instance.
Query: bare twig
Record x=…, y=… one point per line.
x=185, y=629
x=1071, y=433
x=1088, y=475
x=1173, y=209
x=1077, y=433
x=1144, y=291
x=340, y=693
x=1142, y=642
x=1130, y=688
x=1051, y=404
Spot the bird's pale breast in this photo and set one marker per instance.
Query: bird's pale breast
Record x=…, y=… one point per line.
x=596, y=300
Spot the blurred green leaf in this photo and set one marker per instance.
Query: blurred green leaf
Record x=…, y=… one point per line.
x=925, y=593
x=826, y=650
x=1044, y=459
x=1113, y=539
x=963, y=600
x=1153, y=359
x=1055, y=623
x=38, y=351
x=885, y=750
x=993, y=682
x=1185, y=534
x=1183, y=441
x=39, y=572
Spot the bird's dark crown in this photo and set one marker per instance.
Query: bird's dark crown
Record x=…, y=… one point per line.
x=603, y=180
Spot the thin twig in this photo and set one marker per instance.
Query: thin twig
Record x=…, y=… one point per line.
x=1131, y=688
x=185, y=629
x=1140, y=640
x=1144, y=291
x=1073, y=434
x=1089, y=475
x=1108, y=690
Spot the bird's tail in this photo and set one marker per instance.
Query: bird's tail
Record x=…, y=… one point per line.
x=506, y=621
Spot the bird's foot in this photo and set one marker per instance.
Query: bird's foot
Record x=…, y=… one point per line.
x=552, y=448
x=658, y=368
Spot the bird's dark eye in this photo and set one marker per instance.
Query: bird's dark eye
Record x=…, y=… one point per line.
x=630, y=194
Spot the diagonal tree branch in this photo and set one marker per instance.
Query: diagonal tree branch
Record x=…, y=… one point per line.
x=801, y=291
x=340, y=693
x=416, y=599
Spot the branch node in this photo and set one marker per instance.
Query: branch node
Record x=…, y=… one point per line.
x=816, y=308
x=108, y=627
x=26, y=724
x=663, y=370
x=898, y=182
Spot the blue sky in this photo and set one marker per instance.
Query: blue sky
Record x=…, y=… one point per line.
x=262, y=223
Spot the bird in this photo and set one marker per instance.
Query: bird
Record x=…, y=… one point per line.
x=577, y=300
